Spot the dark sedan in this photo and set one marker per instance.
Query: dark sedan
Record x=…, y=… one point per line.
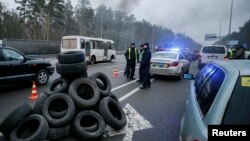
x=17, y=67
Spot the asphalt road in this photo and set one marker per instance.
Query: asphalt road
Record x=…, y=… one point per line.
x=162, y=105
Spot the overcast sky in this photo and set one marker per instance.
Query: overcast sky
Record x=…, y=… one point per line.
x=192, y=17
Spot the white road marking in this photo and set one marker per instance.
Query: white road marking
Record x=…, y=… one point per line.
x=121, y=86
x=120, y=71
x=115, y=66
x=135, y=122
x=131, y=93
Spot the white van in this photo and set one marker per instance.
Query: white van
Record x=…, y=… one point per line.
x=211, y=53
x=95, y=49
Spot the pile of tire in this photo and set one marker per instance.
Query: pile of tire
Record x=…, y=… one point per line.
x=73, y=103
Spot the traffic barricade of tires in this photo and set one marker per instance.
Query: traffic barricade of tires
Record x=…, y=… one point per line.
x=74, y=102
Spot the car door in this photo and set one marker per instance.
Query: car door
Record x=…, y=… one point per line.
x=16, y=68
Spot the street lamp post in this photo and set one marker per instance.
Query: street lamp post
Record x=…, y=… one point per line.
x=230, y=22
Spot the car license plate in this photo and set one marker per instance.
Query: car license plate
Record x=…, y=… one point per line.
x=160, y=65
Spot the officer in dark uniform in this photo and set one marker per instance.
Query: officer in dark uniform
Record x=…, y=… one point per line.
x=145, y=66
x=132, y=56
x=140, y=58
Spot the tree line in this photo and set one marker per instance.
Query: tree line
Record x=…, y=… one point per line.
x=52, y=19
x=243, y=36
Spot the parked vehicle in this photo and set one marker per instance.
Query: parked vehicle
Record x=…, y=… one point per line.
x=219, y=95
x=16, y=67
x=211, y=53
x=169, y=63
x=95, y=49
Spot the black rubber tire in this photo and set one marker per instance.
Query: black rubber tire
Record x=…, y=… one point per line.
x=74, y=77
x=114, y=97
x=112, y=113
x=71, y=69
x=58, y=133
x=63, y=83
x=91, y=128
x=32, y=128
x=84, y=92
x=105, y=87
x=14, y=118
x=39, y=103
x=87, y=119
x=56, y=114
x=92, y=60
x=67, y=117
x=3, y=138
x=40, y=82
x=71, y=57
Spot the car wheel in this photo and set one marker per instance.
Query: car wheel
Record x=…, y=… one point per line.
x=93, y=60
x=42, y=77
x=180, y=76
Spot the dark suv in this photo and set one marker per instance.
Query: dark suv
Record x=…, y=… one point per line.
x=16, y=67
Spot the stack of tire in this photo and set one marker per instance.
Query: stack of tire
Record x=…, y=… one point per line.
x=74, y=102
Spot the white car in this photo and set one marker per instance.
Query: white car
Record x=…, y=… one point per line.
x=170, y=63
x=211, y=53
x=218, y=95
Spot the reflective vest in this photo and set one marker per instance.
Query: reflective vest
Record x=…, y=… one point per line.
x=231, y=52
x=141, y=55
x=129, y=53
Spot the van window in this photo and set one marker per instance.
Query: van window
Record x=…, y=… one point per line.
x=93, y=44
x=82, y=44
x=109, y=45
x=237, y=111
x=214, y=49
x=99, y=45
x=113, y=46
x=69, y=43
x=208, y=93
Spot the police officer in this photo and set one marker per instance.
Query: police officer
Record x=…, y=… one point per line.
x=132, y=56
x=145, y=66
x=231, y=52
x=239, y=52
x=140, y=59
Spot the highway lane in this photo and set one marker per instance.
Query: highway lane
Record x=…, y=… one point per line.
x=162, y=105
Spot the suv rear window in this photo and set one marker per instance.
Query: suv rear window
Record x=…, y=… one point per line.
x=207, y=85
x=214, y=49
x=238, y=107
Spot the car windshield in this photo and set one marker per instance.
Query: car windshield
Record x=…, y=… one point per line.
x=167, y=55
x=238, y=108
x=214, y=49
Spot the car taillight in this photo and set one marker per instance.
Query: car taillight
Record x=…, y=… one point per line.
x=174, y=64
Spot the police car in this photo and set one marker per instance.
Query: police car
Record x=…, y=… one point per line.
x=169, y=62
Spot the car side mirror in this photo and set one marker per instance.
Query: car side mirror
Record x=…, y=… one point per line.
x=188, y=76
